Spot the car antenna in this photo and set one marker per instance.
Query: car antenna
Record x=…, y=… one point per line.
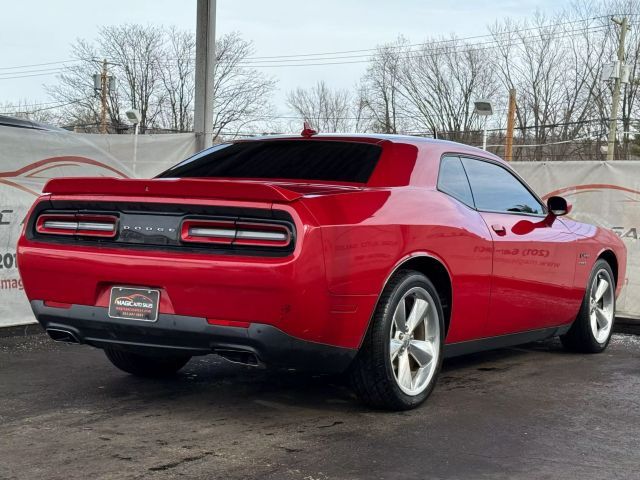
x=307, y=131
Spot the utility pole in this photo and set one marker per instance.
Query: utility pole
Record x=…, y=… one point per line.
x=103, y=83
x=511, y=120
x=103, y=97
x=205, y=66
x=613, y=121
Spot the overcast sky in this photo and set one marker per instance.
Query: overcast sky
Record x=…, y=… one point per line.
x=41, y=31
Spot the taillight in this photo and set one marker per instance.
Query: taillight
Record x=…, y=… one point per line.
x=77, y=224
x=262, y=234
x=228, y=232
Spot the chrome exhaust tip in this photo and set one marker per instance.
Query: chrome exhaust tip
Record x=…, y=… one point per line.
x=241, y=357
x=60, y=335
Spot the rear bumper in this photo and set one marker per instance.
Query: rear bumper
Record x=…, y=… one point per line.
x=193, y=336
x=289, y=293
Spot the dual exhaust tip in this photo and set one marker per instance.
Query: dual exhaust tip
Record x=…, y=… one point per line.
x=241, y=357
x=234, y=356
x=60, y=335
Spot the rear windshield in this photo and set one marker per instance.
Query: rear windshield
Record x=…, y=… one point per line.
x=282, y=159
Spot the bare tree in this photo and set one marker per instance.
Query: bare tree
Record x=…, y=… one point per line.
x=241, y=95
x=554, y=66
x=28, y=110
x=155, y=71
x=440, y=80
x=177, y=76
x=379, y=93
x=629, y=101
x=325, y=109
x=136, y=52
x=75, y=90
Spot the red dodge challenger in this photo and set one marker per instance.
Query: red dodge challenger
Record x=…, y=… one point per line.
x=376, y=255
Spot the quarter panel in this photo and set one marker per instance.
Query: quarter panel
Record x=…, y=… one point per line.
x=592, y=241
x=367, y=234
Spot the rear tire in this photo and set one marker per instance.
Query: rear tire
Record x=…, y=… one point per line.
x=401, y=355
x=591, y=330
x=146, y=365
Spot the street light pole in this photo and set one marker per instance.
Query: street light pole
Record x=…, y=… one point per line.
x=484, y=134
x=205, y=66
x=484, y=109
x=134, y=117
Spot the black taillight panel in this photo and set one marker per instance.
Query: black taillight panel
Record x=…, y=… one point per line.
x=172, y=227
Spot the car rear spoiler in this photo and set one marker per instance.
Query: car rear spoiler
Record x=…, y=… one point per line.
x=172, y=187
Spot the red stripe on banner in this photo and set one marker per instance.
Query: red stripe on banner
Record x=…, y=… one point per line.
x=49, y=167
x=592, y=186
x=54, y=160
x=19, y=187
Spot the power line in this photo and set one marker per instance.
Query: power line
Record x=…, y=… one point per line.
x=18, y=108
x=33, y=75
x=424, y=53
x=429, y=52
x=492, y=44
x=263, y=59
x=420, y=54
x=39, y=104
x=435, y=46
x=16, y=67
x=434, y=42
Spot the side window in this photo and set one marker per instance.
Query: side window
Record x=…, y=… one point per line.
x=453, y=181
x=496, y=189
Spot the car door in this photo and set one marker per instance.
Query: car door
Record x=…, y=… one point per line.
x=468, y=252
x=533, y=257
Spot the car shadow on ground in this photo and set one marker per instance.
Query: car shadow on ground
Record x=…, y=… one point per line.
x=216, y=382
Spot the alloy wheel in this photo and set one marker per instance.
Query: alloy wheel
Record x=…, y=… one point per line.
x=414, y=346
x=601, y=305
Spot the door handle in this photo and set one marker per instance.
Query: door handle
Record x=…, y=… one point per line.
x=499, y=229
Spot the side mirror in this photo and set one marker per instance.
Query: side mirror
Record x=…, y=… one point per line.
x=558, y=206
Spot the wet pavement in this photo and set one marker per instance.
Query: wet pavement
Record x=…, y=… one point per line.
x=528, y=412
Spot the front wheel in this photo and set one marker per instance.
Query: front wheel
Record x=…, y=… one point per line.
x=591, y=331
x=401, y=355
x=146, y=365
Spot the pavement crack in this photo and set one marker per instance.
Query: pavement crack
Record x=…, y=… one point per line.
x=291, y=449
x=337, y=422
x=177, y=463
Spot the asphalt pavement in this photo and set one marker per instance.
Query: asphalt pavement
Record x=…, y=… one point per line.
x=530, y=412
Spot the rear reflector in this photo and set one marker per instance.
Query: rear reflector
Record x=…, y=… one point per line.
x=228, y=323
x=49, y=303
x=77, y=224
x=256, y=234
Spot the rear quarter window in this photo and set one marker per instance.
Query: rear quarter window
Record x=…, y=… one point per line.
x=351, y=162
x=453, y=181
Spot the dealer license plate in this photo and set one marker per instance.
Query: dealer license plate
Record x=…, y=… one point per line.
x=134, y=303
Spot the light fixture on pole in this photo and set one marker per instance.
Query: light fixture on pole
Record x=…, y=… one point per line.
x=484, y=109
x=134, y=117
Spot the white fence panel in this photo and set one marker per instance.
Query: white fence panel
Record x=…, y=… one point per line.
x=28, y=158
x=605, y=194
x=602, y=193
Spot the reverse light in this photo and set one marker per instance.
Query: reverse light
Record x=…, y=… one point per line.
x=77, y=225
x=257, y=234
